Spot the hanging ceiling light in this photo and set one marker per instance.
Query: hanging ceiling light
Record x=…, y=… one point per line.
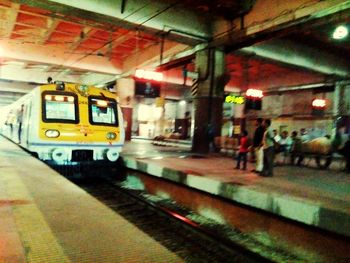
x=340, y=32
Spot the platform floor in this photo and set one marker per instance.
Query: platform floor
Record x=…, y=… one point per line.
x=46, y=218
x=320, y=198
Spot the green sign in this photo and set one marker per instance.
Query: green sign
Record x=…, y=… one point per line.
x=234, y=99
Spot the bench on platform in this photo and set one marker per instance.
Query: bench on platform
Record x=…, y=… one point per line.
x=171, y=141
x=310, y=160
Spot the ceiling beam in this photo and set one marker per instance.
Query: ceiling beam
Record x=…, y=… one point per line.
x=294, y=54
x=150, y=57
x=279, y=20
x=59, y=56
x=153, y=17
x=15, y=87
x=11, y=19
x=51, y=26
x=33, y=75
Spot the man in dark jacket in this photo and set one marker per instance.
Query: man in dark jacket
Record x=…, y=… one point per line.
x=257, y=145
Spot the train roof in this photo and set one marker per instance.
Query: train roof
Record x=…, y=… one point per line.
x=80, y=89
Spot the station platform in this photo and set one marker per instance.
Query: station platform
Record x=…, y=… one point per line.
x=320, y=198
x=46, y=218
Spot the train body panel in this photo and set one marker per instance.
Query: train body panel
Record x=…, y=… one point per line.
x=67, y=123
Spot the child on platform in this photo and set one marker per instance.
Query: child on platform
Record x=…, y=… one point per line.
x=243, y=150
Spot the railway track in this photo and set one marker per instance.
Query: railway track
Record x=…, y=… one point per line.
x=247, y=236
x=168, y=224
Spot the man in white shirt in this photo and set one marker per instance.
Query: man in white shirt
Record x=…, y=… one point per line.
x=276, y=136
x=285, y=145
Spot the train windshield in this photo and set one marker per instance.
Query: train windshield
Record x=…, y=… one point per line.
x=59, y=107
x=103, y=111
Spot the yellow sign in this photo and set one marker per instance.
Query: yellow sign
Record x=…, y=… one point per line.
x=160, y=101
x=236, y=129
x=234, y=99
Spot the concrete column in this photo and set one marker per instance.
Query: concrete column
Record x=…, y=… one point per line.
x=340, y=99
x=341, y=105
x=125, y=89
x=208, y=102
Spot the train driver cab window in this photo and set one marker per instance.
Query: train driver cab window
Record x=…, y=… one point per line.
x=60, y=107
x=103, y=111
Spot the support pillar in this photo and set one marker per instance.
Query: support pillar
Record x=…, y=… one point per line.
x=341, y=109
x=208, y=102
x=125, y=92
x=339, y=99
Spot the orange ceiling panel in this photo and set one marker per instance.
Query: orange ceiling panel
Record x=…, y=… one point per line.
x=144, y=43
x=21, y=27
x=17, y=36
x=122, y=31
x=101, y=34
x=122, y=49
x=132, y=42
x=69, y=27
x=33, y=20
x=61, y=37
x=30, y=32
x=92, y=44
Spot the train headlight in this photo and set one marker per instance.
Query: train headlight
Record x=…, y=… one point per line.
x=52, y=133
x=60, y=85
x=112, y=155
x=111, y=136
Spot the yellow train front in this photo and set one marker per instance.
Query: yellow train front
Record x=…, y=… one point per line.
x=67, y=123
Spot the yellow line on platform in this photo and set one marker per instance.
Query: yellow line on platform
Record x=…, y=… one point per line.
x=39, y=243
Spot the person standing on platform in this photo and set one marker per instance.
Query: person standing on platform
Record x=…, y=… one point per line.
x=269, y=151
x=243, y=151
x=19, y=122
x=257, y=145
x=211, y=136
x=295, y=148
x=345, y=151
x=11, y=117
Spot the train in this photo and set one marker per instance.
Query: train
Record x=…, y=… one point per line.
x=66, y=123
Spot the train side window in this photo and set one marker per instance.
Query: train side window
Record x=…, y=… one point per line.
x=60, y=107
x=103, y=111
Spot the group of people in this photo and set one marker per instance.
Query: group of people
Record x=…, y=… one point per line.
x=267, y=143
x=263, y=147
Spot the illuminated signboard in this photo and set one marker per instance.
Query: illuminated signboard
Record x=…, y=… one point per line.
x=254, y=93
x=234, y=99
x=319, y=103
x=318, y=107
x=150, y=75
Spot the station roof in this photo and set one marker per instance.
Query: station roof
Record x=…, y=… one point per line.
x=96, y=41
